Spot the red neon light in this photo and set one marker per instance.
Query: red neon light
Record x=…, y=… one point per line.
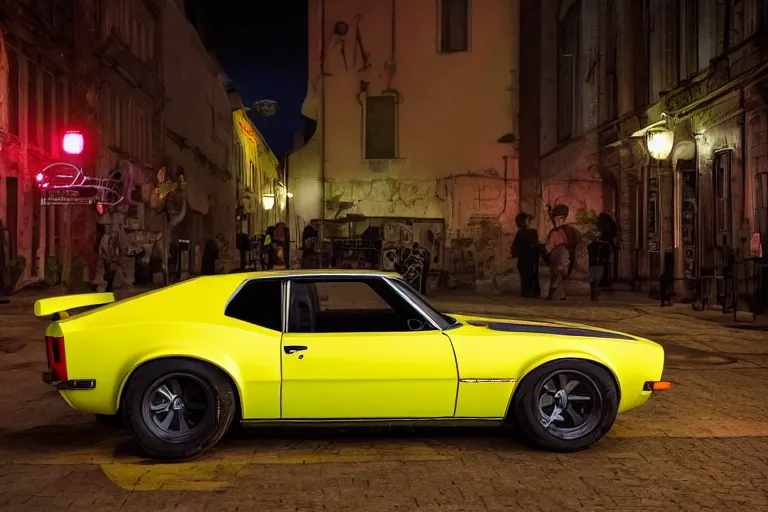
x=100, y=208
x=73, y=143
x=39, y=177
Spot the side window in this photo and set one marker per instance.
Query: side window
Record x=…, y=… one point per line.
x=349, y=295
x=351, y=305
x=454, y=26
x=259, y=302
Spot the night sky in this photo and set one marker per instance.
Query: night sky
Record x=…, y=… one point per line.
x=262, y=46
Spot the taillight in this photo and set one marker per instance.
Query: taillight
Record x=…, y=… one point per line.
x=57, y=359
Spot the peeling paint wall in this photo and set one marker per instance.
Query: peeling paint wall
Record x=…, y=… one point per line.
x=453, y=108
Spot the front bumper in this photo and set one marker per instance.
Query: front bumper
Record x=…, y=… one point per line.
x=49, y=378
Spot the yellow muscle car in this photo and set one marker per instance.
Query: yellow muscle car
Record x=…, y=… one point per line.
x=179, y=365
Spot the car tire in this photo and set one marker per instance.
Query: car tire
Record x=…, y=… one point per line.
x=532, y=409
x=214, y=399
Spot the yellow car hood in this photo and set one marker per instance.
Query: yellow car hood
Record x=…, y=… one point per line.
x=545, y=328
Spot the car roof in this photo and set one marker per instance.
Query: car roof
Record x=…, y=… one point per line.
x=315, y=272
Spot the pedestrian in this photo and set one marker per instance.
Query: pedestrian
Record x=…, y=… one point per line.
x=527, y=249
x=599, y=255
x=667, y=279
x=210, y=255
x=109, y=252
x=560, y=251
x=268, y=249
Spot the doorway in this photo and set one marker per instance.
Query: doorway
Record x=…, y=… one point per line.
x=12, y=215
x=36, y=225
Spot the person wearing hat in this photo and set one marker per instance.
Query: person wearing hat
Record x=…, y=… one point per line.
x=527, y=249
x=560, y=251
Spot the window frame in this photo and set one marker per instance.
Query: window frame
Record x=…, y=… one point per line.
x=354, y=278
x=573, y=14
x=722, y=174
x=283, y=302
x=396, y=127
x=441, y=45
x=13, y=94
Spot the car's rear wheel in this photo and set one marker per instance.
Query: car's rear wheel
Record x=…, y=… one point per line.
x=178, y=408
x=566, y=405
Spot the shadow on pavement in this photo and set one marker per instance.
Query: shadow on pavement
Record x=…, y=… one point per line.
x=56, y=437
x=84, y=439
x=254, y=433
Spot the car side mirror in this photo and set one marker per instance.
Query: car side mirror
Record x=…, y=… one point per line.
x=415, y=324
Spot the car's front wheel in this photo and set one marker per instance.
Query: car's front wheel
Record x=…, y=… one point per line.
x=566, y=405
x=178, y=408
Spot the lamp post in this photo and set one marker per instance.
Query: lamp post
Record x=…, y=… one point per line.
x=659, y=143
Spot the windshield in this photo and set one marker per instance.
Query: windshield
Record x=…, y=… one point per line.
x=442, y=320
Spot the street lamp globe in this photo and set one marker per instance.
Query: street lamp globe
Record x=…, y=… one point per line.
x=660, y=143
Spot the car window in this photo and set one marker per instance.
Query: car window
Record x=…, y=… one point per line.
x=351, y=305
x=349, y=295
x=259, y=302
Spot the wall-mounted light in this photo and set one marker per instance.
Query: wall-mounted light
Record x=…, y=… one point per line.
x=268, y=201
x=73, y=142
x=660, y=143
x=289, y=194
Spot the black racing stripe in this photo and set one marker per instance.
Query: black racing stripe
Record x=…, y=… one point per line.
x=544, y=329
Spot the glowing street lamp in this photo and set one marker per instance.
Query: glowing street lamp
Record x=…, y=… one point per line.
x=660, y=143
x=268, y=201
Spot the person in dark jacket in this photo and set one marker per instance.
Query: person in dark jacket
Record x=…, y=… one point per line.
x=527, y=249
x=210, y=255
x=599, y=256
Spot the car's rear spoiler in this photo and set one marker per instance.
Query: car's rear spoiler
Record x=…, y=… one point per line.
x=61, y=307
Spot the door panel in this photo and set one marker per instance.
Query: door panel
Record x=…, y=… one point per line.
x=368, y=375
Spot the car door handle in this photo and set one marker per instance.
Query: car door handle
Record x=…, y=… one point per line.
x=292, y=349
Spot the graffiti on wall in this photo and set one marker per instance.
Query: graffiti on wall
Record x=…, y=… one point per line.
x=411, y=262
x=412, y=248
x=486, y=234
x=461, y=271
x=129, y=242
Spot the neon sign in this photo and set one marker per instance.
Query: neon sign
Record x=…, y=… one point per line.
x=247, y=130
x=63, y=183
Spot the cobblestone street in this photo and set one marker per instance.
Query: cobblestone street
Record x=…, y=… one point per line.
x=701, y=445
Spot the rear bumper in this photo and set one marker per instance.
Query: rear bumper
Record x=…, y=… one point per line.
x=85, y=384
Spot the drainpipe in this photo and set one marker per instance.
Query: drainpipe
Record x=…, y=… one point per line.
x=506, y=183
x=322, y=106
x=393, y=47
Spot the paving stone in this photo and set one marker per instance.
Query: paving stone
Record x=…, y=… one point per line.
x=700, y=446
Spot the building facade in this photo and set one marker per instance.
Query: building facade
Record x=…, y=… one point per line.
x=416, y=129
x=261, y=191
x=36, y=50
x=653, y=112
x=118, y=102
x=198, y=138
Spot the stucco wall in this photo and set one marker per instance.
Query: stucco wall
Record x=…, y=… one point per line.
x=454, y=108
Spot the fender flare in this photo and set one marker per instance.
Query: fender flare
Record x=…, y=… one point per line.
x=158, y=356
x=556, y=356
